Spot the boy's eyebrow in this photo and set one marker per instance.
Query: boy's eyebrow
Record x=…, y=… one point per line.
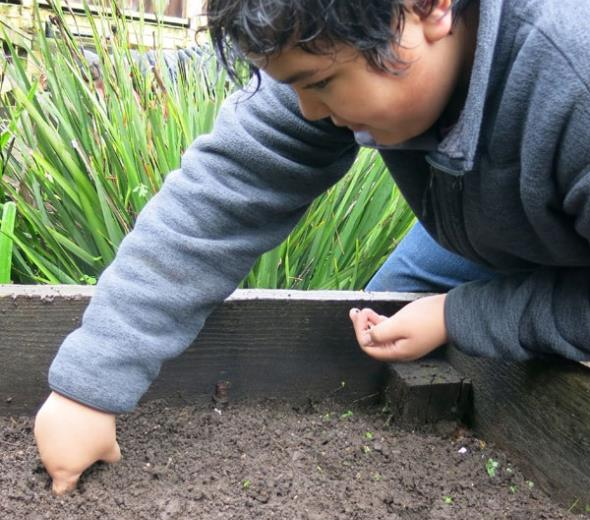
x=298, y=76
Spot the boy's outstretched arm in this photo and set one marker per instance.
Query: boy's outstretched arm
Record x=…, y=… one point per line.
x=239, y=192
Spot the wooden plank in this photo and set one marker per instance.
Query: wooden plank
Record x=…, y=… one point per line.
x=427, y=391
x=296, y=345
x=540, y=412
x=287, y=344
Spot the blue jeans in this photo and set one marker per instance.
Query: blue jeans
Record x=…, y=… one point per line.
x=419, y=264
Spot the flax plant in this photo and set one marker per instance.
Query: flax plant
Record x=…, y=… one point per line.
x=85, y=160
x=6, y=231
x=344, y=237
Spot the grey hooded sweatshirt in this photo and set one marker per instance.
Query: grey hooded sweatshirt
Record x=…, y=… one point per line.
x=508, y=188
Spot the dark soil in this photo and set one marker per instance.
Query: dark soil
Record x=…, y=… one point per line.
x=271, y=460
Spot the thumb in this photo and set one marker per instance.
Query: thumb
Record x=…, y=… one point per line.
x=387, y=330
x=113, y=455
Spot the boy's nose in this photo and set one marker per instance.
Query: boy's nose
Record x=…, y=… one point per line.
x=312, y=109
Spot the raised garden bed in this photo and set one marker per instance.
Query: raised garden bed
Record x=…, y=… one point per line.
x=301, y=454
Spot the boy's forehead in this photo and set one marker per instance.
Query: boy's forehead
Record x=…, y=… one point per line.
x=295, y=64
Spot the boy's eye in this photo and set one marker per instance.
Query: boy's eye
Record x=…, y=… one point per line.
x=318, y=85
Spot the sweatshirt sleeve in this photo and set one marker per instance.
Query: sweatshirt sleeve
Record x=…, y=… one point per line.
x=545, y=311
x=238, y=193
x=523, y=316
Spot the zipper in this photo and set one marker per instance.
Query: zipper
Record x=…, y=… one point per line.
x=446, y=197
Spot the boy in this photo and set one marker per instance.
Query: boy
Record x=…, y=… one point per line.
x=481, y=110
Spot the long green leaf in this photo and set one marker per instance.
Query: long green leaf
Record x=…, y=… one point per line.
x=6, y=231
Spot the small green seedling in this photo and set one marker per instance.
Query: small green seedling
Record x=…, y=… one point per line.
x=369, y=436
x=327, y=416
x=491, y=467
x=530, y=484
x=366, y=449
x=513, y=489
x=377, y=477
x=448, y=500
x=346, y=415
x=246, y=484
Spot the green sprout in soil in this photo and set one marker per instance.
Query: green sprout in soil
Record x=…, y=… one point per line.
x=327, y=416
x=377, y=477
x=346, y=415
x=513, y=489
x=246, y=484
x=530, y=484
x=366, y=449
x=369, y=436
x=491, y=467
x=448, y=500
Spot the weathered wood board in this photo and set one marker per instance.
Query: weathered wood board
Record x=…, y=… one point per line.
x=427, y=391
x=540, y=412
x=287, y=344
x=295, y=345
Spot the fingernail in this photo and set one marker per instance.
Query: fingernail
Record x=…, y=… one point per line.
x=355, y=310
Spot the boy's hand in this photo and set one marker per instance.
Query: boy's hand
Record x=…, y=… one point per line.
x=411, y=333
x=71, y=437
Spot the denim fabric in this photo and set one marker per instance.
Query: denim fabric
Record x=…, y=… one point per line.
x=419, y=264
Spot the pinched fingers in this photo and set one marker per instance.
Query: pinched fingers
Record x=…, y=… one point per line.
x=387, y=330
x=64, y=482
x=363, y=321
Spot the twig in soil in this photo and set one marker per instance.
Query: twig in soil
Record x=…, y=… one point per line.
x=571, y=508
x=342, y=385
x=365, y=397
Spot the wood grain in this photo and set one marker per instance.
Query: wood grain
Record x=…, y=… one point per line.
x=286, y=344
x=539, y=411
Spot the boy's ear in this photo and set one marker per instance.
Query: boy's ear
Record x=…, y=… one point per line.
x=436, y=18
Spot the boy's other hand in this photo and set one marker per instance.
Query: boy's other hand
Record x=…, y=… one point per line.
x=71, y=437
x=414, y=331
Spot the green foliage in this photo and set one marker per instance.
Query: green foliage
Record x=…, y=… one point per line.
x=80, y=164
x=491, y=467
x=344, y=236
x=6, y=231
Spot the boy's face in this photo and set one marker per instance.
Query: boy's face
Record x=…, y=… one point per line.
x=392, y=109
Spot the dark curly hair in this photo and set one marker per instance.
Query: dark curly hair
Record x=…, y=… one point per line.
x=263, y=28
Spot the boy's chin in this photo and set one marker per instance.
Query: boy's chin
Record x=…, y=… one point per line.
x=384, y=138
